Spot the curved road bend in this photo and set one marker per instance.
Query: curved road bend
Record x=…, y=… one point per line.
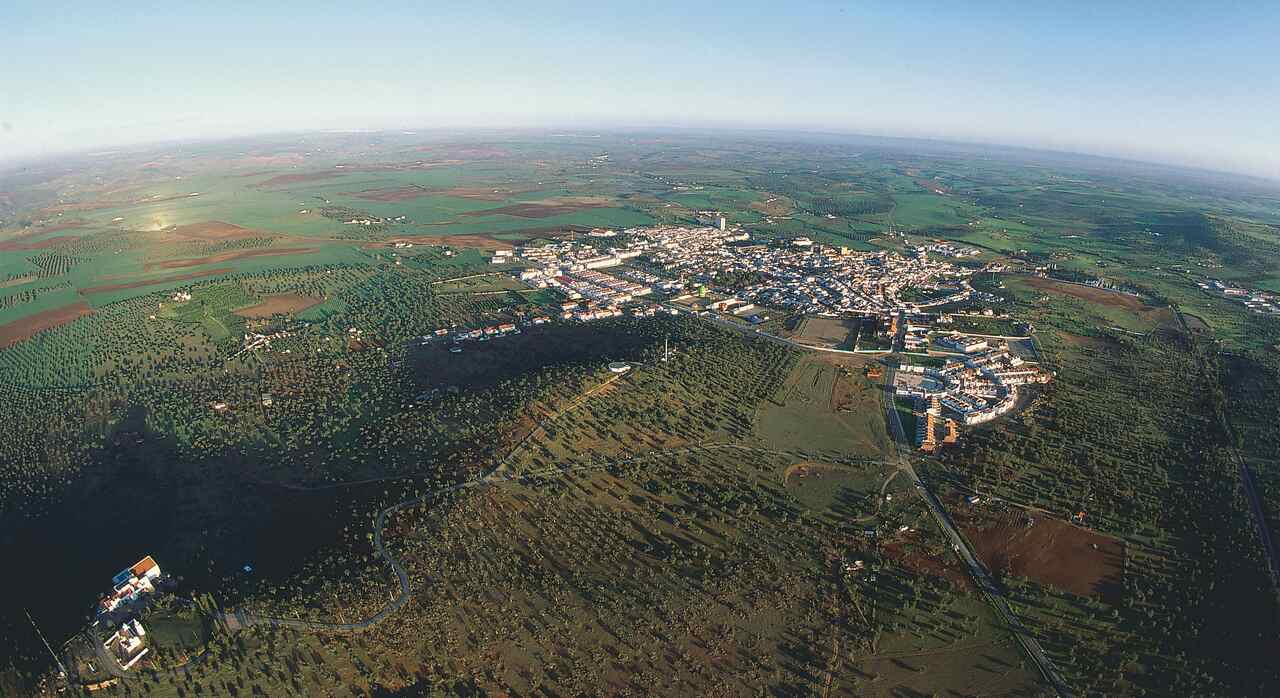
x=497, y=475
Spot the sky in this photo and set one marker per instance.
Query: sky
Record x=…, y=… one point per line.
x=1186, y=83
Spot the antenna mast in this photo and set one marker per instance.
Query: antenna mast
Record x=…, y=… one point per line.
x=61, y=666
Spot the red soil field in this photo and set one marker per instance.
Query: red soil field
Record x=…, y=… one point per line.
x=533, y=210
x=414, y=191
x=1052, y=552
x=944, y=567
x=222, y=257
x=18, y=330
x=111, y=203
x=933, y=185
x=282, y=303
x=157, y=280
x=43, y=230
x=474, y=153
x=482, y=242
x=212, y=230
x=286, y=180
x=15, y=246
x=1101, y=296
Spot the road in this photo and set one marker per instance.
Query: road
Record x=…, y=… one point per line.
x=977, y=571
x=497, y=475
x=1246, y=477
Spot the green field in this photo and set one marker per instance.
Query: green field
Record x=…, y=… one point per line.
x=824, y=405
x=691, y=527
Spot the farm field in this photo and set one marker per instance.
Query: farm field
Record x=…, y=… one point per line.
x=240, y=339
x=826, y=404
x=833, y=333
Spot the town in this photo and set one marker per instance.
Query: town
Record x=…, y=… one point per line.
x=715, y=270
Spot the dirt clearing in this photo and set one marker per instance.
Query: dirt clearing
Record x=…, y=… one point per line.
x=18, y=280
x=545, y=208
x=416, y=191
x=223, y=257
x=1079, y=340
x=212, y=230
x=482, y=242
x=15, y=246
x=827, y=332
x=157, y=280
x=284, y=303
x=18, y=330
x=280, y=181
x=1047, y=550
x=1101, y=296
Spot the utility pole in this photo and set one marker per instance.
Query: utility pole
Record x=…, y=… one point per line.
x=61, y=666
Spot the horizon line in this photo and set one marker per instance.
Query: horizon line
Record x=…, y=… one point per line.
x=17, y=162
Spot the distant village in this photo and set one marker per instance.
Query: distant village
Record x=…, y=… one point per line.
x=1262, y=302
x=716, y=270
x=978, y=382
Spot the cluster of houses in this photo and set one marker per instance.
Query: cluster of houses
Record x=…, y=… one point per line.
x=962, y=343
x=479, y=334
x=553, y=259
x=967, y=390
x=374, y=220
x=127, y=644
x=257, y=340
x=1264, y=302
x=597, y=286
x=131, y=584
x=933, y=431
x=798, y=275
x=942, y=248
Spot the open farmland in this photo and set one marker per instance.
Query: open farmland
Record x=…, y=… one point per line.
x=824, y=404
x=18, y=330
x=254, y=343
x=284, y=303
x=833, y=333
x=1047, y=550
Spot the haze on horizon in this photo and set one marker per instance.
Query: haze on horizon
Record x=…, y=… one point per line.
x=1172, y=82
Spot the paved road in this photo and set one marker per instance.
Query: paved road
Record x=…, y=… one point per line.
x=976, y=570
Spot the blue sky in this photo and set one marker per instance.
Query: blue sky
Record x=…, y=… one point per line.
x=1178, y=82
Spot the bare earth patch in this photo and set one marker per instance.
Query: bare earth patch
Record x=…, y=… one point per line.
x=284, y=303
x=415, y=191
x=1049, y=551
x=16, y=246
x=285, y=180
x=223, y=257
x=212, y=230
x=18, y=280
x=1101, y=296
x=483, y=242
x=13, y=332
x=1078, y=340
x=156, y=280
x=545, y=208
